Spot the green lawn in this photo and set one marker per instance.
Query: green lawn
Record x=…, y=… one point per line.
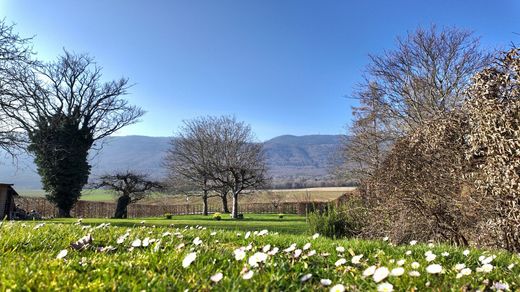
x=292, y=224
x=29, y=258
x=87, y=195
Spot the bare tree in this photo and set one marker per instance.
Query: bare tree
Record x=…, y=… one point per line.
x=219, y=156
x=14, y=53
x=426, y=76
x=64, y=108
x=130, y=187
x=188, y=158
x=223, y=192
x=240, y=164
x=276, y=198
x=407, y=141
x=371, y=136
x=420, y=81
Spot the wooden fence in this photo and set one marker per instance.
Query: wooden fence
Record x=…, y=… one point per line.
x=89, y=209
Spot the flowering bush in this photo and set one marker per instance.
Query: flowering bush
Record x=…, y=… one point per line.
x=217, y=216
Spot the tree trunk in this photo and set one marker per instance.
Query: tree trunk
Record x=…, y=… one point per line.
x=234, y=213
x=122, y=207
x=62, y=213
x=205, y=203
x=63, y=202
x=225, y=207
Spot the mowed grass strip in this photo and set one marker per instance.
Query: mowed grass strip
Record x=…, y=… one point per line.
x=28, y=252
x=291, y=224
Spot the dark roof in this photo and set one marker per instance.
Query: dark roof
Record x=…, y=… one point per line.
x=10, y=189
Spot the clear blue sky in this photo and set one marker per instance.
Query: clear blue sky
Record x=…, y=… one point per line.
x=283, y=66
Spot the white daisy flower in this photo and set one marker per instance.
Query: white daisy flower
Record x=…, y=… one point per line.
x=340, y=262
x=325, y=282
x=486, y=260
x=369, y=271
x=434, y=269
x=380, y=274
x=397, y=272
x=217, y=277
x=385, y=287
x=290, y=248
x=239, y=254
x=258, y=257
x=337, y=288
x=197, y=241
x=459, y=266
x=414, y=274
x=273, y=251
x=305, y=277
x=186, y=262
x=501, y=286
x=136, y=242
x=356, y=259
x=263, y=232
x=248, y=275
x=487, y=268
x=62, y=254
x=463, y=272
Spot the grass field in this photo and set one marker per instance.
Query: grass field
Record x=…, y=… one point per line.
x=155, y=256
x=294, y=195
x=292, y=224
x=87, y=195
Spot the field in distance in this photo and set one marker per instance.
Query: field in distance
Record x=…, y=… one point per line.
x=285, y=195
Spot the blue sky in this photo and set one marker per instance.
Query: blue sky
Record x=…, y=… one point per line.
x=285, y=67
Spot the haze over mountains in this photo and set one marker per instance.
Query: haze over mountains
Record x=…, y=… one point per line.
x=288, y=158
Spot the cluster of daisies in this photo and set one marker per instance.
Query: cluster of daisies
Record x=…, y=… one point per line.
x=254, y=257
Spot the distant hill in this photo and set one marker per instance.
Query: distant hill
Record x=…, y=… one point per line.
x=288, y=157
x=301, y=156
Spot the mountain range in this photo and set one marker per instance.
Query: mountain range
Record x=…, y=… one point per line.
x=288, y=158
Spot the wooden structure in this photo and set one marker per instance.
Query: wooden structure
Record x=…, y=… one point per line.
x=89, y=209
x=7, y=205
